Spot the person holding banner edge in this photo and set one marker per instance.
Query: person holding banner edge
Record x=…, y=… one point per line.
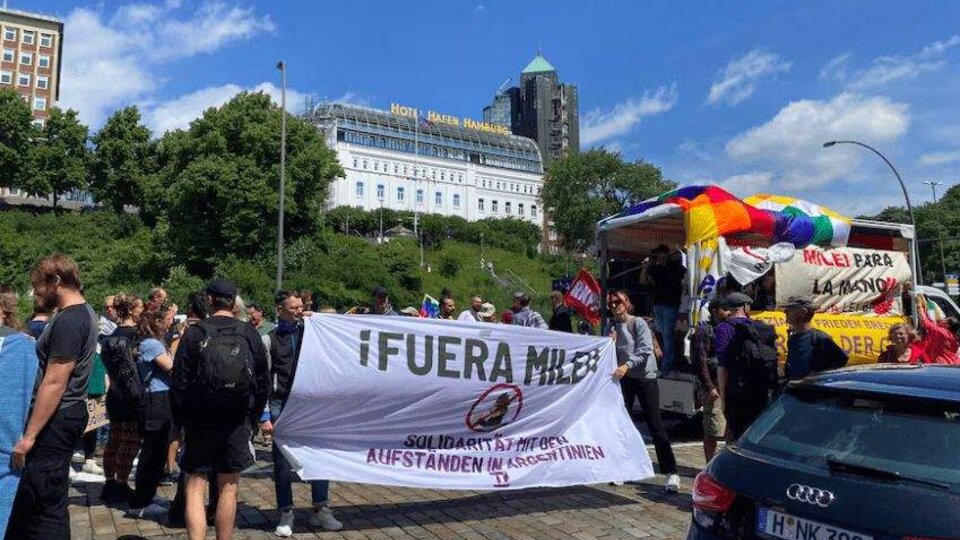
x=637, y=373
x=283, y=350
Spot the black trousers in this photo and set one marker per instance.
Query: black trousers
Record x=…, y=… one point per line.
x=90, y=443
x=154, y=438
x=40, y=505
x=741, y=411
x=648, y=392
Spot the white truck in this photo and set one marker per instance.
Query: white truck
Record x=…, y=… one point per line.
x=624, y=241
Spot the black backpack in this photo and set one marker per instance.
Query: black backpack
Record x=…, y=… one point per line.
x=225, y=373
x=119, y=357
x=754, y=360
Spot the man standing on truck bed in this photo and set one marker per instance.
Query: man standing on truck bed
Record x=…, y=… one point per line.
x=665, y=272
x=808, y=350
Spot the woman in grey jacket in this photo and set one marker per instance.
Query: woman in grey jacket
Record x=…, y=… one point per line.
x=637, y=373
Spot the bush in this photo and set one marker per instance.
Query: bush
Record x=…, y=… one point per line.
x=449, y=266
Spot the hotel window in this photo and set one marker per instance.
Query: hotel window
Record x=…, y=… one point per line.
x=456, y=200
x=434, y=174
x=480, y=205
x=26, y=59
x=356, y=163
x=404, y=170
x=9, y=55
x=359, y=189
x=460, y=178
x=40, y=104
x=533, y=210
x=10, y=34
x=46, y=40
x=6, y=77
x=438, y=198
x=38, y=123
x=43, y=61
x=494, y=207
x=400, y=194
x=23, y=79
x=443, y=175
x=380, y=191
x=364, y=164
x=506, y=207
x=419, y=196
x=520, y=209
x=28, y=37
x=498, y=185
x=376, y=165
x=396, y=169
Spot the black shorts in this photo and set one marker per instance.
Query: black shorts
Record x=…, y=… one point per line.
x=218, y=449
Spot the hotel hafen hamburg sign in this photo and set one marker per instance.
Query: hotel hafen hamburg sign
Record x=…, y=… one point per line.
x=438, y=118
x=455, y=405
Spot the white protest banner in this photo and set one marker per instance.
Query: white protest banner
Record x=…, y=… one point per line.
x=456, y=405
x=845, y=280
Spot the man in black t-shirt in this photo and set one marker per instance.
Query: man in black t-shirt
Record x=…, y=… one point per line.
x=65, y=350
x=216, y=435
x=560, y=320
x=665, y=274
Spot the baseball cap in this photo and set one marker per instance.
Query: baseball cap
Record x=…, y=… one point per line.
x=799, y=302
x=223, y=288
x=736, y=299
x=379, y=291
x=488, y=310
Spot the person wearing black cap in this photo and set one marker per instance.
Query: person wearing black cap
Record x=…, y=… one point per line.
x=664, y=272
x=381, y=302
x=808, y=350
x=221, y=384
x=747, y=364
x=704, y=356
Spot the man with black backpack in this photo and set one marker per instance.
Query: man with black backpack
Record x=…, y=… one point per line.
x=808, y=350
x=221, y=384
x=747, y=371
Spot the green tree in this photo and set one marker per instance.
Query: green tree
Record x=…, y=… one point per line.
x=123, y=161
x=56, y=162
x=15, y=134
x=583, y=188
x=222, y=181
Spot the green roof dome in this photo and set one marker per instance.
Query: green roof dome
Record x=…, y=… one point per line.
x=538, y=65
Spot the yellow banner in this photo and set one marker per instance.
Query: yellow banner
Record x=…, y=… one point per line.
x=862, y=338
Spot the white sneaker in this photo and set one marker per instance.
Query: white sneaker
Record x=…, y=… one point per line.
x=285, y=526
x=152, y=510
x=323, y=518
x=617, y=483
x=78, y=457
x=673, y=484
x=90, y=466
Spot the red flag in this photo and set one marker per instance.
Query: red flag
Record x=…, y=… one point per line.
x=584, y=297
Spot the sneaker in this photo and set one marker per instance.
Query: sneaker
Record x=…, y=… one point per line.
x=285, y=526
x=617, y=483
x=168, y=479
x=78, y=457
x=74, y=475
x=673, y=484
x=323, y=518
x=152, y=510
x=160, y=501
x=90, y=466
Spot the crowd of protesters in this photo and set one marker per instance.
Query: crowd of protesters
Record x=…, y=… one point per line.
x=192, y=395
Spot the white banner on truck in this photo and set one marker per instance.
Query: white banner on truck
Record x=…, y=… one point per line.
x=456, y=405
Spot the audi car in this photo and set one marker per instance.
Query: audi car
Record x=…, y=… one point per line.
x=865, y=453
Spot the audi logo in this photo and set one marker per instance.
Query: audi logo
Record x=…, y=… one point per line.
x=810, y=495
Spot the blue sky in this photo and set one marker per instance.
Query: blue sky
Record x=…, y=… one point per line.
x=741, y=94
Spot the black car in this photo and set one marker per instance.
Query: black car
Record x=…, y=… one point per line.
x=869, y=453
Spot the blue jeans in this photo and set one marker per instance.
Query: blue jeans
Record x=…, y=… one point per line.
x=666, y=320
x=283, y=475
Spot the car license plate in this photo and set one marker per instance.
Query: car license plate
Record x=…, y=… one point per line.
x=788, y=527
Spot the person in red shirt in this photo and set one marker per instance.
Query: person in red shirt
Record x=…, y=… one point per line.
x=904, y=348
x=939, y=338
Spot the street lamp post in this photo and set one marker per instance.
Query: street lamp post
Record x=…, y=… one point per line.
x=943, y=260
x=917, y=276
x=282, y=66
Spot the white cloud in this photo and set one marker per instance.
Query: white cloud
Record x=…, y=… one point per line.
x=597, y=126
x=178, y=113
x=940, y=158
x=887, y=69
x=744, y=185
x=738, y=80
x=791, y=142
x=117, y=60
x=480, y=9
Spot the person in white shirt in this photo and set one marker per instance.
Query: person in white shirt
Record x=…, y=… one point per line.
x=472, y=314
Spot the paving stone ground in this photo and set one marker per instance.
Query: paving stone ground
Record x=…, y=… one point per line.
x=641, y=510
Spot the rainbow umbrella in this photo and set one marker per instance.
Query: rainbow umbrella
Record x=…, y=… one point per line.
x=803, y=223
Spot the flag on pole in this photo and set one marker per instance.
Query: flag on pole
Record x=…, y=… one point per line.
x=430, y=308
x=422, y=120
x=584, y=296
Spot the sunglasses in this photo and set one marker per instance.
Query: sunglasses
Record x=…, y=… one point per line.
x=614, y=303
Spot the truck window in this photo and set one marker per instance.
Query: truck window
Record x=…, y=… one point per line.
x=946, y=306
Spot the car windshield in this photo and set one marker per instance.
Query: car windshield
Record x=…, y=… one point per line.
x=914, y=440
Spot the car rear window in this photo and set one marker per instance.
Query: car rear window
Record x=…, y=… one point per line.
x=917, y=440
